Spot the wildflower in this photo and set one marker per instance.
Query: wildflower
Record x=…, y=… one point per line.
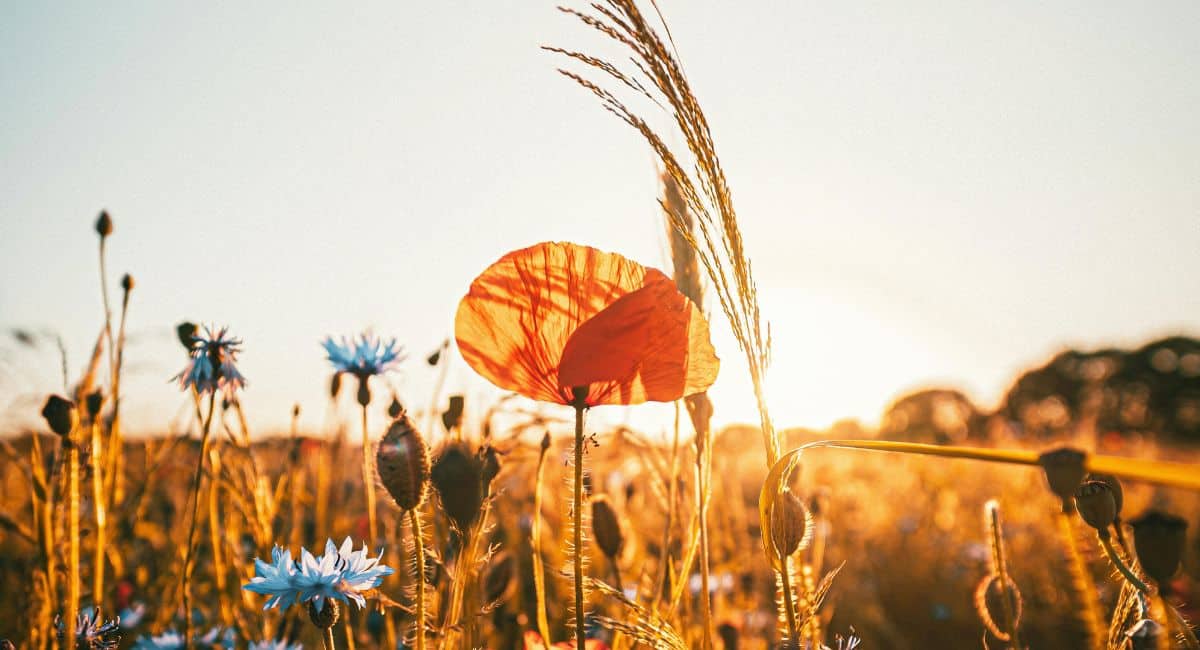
x=360, y=571
x=548, y=319
x=534, y=641
x=172, y=640
x=276, y=579
x=363, y=356
x=280, y=644
x=212, y=364
x=92, y=632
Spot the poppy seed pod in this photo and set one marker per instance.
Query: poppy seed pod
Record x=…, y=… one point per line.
x=94, y=401
x=545, y=441
x=104, y=224
x=186, y=332
x=127, y=283
x=607, y=527
x=1158, y=538
x=60, y=414
x=1096, y=505
x=452, y=416
x=489, y=467
x=402, y=461
x=791, y=525
x=1064, y=472
x=457, y=476
x=395, y=409
x=327, y=617
x=1118, y=494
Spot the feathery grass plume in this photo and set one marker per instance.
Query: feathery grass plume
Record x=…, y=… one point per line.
x=402, y=461
x=642, y=625
x=997, y=593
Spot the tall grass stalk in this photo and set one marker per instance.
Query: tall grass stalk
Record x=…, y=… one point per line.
x=1082, y=585
x=414, y=520
x=72, y=609
x=96, y=463
x=539, y=569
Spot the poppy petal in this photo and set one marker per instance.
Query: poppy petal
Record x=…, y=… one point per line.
x=517, y=316
x=649, y=345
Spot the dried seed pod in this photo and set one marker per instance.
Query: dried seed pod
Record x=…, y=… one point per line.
x=1118, y=494
x=1064, y=472
x=990, y=595
x=60, y=414
x=1096, y=505
x=127, y=283
x=104, y=224
x=402, y=460
x=791, y=525
x=1158, y=538
x=606, y=527
x=457, y=476
x=452, y=416
x=94, y=401
x=327, y=617
x=489, y=462
x=395, y=409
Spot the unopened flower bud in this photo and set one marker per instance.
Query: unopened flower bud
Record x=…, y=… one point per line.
x=1064, y=472
x=60, y=414
x=607, y=527
x=127, y=282
x=94, y=401
x=791, y=525
x=457, y=476
x=1158, y=538
x=1096, y=505
x=326, y=617
x=545, y=441
x=395, y=409
x=335, y=385
x=402, y=460
x=489, y=467
x=452, y=417
x=1118, y=494
x=104, y=224
x=186, y=332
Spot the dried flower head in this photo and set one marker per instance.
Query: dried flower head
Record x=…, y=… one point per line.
x=212, y=365
x=402, y=460
x=60, y=414
x=1158, y=538
x=1096, y=505
x=127, y=283
x=1064, y=470
x=186, y=332
x=606, y=527
x=94, y=401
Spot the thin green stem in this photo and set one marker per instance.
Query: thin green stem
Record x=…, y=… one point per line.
x=197, y=478
x=414, y=518
x=577, y=532
x=1126, y=572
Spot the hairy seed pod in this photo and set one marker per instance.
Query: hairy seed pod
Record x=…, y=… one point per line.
x=489, y=462
x=327, y=617
x=127, y=283
x=452, y=416
x=402, y=461
x=104, y=224
x=457, y=476
x=186, y=332
x=791, y=525
x=1118, y=494
x=499, y=577
x=60, y=414
x=1096, y=505
x=606, y=527
x=1064, y=472
x=990, y=595
x=1158, y=538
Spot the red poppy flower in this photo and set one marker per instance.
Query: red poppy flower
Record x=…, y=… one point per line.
x=546, y=319
x=533, y=641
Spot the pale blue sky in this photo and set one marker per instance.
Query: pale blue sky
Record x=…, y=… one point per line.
x=930, y=192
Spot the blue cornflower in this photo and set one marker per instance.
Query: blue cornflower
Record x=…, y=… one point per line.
x=211, y=366
x=360, y=572
x=92, y=632
x=364, y=355
x=172, y=640
x=318, y=577
x=276, y=579
x=281, y=644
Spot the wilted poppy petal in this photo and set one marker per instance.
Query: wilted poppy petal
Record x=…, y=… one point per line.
x=649, y=345
x=515, y=320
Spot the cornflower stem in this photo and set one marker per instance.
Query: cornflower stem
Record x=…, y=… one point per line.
x=95, y=459
x=369, y=479
x=1126, y=572
x=349, y=632
x=72, y=609
x=327, y=639
x=214, y=532
x=414, y=519
x=539, y=571
x=785, y=579
x=577, y=531
x=197, y=478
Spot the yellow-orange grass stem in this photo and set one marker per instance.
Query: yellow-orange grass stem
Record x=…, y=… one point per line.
x=703, y=476
x=190, y=551
x=785, y=580
x=369, y=480
x=539, y=569
x=95, y=459
x=214, y=533
x=414, y=519
x=72, y=609
x=1083, y=585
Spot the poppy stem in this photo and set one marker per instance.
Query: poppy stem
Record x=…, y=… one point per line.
x=577, y=517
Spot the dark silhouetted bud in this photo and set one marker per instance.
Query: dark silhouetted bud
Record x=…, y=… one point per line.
x=60, y=414
x=457, y=475
x=186, y=332
x=434, y=358
x=94, y=401
x=546, y=441
x=295, y=410
x=606, y=527
x=729, y=635
x=127, y=282
x=489, y=462
x=335, y=385
x=1095, y=503
x=1064, y=472
x=395, y=409
x=402, y=460
x=1158, y=538
x=364, y=391
x=1118, y=494
x=791, y=526
x=104, y=224
x=499, y=577
x=327, y=617
x=452, y=417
